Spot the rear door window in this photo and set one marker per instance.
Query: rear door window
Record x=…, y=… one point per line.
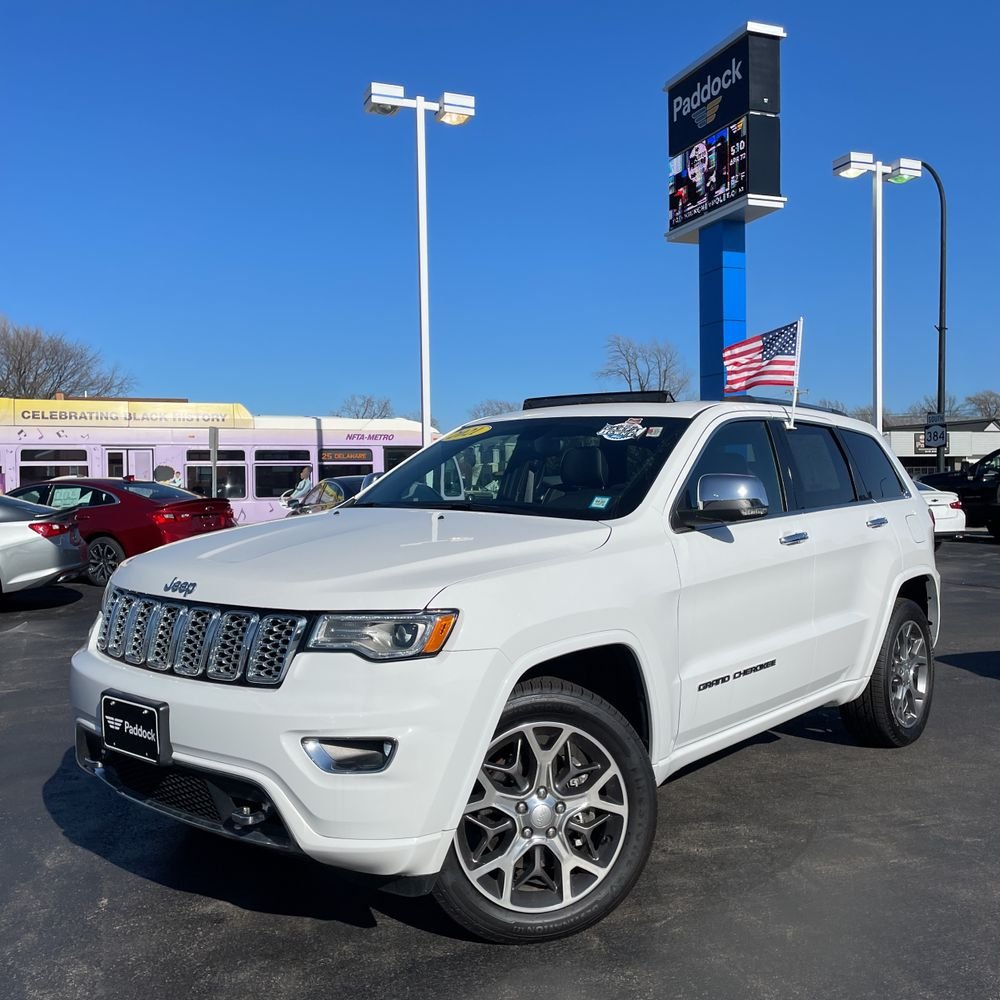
x=819, y=470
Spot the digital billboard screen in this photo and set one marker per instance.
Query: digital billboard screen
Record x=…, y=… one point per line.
x=709, y=174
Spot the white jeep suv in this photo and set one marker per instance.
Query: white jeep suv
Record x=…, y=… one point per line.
x=472, y=677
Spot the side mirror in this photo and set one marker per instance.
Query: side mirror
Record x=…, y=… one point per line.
x=369, y=479
x=966, y=468
x=726, y=498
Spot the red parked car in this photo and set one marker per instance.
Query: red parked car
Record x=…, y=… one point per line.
x=123, y=517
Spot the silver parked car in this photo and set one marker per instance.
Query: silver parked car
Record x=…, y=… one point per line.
x=38, y=545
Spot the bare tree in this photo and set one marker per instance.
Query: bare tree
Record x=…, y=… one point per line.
x=985, y=403
x=928, y=404
x=415, y=415
x=36, y=365
x=834, y=404
x=652, y=365
x=867, y=414
x=491, y=407
x=365, y=407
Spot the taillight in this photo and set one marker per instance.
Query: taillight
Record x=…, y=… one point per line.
x=931, y=512
x=50, y=529
x=957, y=504
x=166, y=517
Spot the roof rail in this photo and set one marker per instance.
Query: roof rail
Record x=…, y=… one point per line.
x=782, y=402
x=578, y=399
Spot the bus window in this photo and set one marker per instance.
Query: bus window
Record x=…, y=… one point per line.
x=223, y=455
x=327, y=471
x=231, y=481
x=393, y=456
x=282, y=455
x=270, y=481
x=38, y=464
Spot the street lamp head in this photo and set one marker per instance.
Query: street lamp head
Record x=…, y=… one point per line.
x=853, y=164
x=383, y=98
x=455, y=109
x=903, y=170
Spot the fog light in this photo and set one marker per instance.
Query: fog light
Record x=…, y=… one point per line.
x=349, y=756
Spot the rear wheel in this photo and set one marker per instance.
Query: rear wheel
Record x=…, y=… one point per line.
x=560, y=821
x=993, y=527
x=105, y=555
x=892, y=711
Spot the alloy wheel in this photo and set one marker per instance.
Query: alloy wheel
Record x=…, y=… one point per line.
x=908, y=675
x=103, y=561
x=546, y=819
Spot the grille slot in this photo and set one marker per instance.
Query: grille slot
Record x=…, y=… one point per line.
x=192, y=647
x=275, y=642
x=232, y=644
x=161, y=643
x=217, y=644
x=137, y=630
x=119, y=621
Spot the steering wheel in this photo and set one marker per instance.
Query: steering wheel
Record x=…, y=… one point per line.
x=284, y=498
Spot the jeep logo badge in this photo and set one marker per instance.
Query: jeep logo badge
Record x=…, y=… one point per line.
x=184, y=587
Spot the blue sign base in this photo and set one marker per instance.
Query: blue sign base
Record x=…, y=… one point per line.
x=722, y=292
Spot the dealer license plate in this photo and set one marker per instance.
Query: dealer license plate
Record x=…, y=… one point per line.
x=134, y=728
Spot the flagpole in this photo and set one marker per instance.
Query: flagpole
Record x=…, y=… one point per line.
x=795, y=387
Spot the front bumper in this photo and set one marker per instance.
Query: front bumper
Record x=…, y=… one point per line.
x=399, y=821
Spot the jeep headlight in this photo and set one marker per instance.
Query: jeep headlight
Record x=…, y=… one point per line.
x=385, y=637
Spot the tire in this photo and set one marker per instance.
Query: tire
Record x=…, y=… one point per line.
x=892, y=711
x=559, y=824
x=105, y=555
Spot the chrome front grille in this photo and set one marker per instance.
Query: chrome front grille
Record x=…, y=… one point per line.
x=192, y=640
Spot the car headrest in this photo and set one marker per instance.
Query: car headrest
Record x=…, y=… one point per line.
x=584, y=467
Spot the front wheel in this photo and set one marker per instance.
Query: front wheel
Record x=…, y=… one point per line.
x=892, y=711
x=560, y=821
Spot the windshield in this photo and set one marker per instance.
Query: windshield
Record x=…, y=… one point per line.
x=592, y=468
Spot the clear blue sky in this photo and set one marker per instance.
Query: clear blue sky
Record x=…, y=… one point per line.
x=192, y=188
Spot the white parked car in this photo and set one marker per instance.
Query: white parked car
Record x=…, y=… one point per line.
x=479, y=690
x=38, y=545
x=946, y=507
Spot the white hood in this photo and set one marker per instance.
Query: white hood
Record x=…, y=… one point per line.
x=354, y=559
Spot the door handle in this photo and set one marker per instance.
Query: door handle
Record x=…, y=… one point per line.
x=877, y=522
x=794, y=538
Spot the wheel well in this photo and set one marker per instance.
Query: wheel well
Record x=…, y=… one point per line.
x=916, y=591
x=612, y=672
x=923, y=591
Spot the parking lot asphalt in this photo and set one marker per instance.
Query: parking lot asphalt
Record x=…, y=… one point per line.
x=796, y=864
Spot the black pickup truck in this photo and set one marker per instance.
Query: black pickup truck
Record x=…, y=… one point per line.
x=978, y=487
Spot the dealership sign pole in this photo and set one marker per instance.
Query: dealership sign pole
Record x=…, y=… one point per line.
x=725, y=171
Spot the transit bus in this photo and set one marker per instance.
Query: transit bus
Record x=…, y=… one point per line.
x=257, y=458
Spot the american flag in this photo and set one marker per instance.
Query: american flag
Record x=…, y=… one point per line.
x=765, y=359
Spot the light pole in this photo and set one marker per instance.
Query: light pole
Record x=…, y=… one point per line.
x=901, y=176
x=451, y=109
x=854, y=165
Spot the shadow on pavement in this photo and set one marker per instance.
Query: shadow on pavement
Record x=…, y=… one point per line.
x=822, y=724
x=158, y=849
x=38, y=599
x=985, y=664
